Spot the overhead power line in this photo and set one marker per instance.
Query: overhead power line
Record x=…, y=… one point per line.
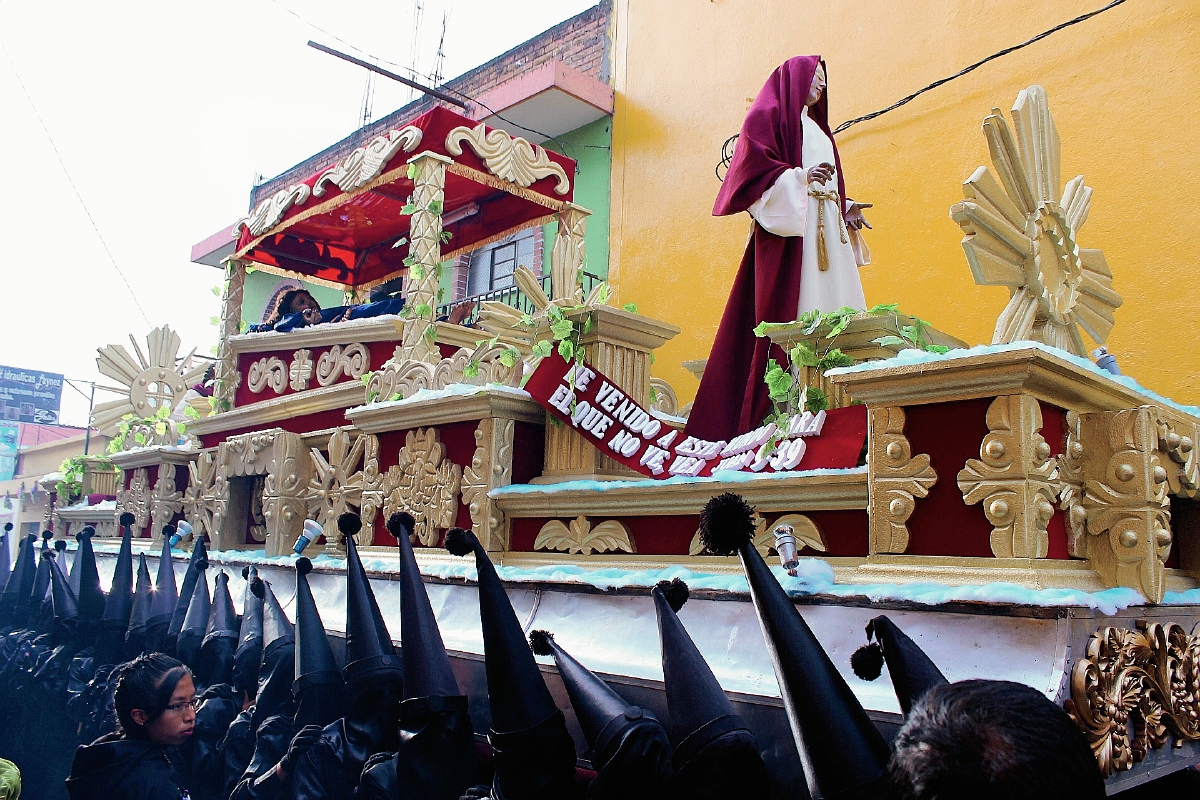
x=976, y=65
x=112, y=260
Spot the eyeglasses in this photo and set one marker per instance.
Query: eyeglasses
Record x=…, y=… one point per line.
x=175, y=708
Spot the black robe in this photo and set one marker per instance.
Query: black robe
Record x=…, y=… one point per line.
x=331, y=768
x=270, y=745
x=436, y=759
x=113, y=768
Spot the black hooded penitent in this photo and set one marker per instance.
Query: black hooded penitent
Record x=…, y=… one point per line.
x=220, y=637
x=248, y=656
x=318, y=685
x=88, y=591
x=534, y=753
x=369, y=650
x=715, y=755
x=436, y=758
x=912, y=672
x=630, y=749
x=195, y=621
x=136, y=640
x=166, y=596
x=841, y=750
x=196, y=565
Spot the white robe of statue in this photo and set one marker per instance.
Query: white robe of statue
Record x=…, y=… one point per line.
x=788, y=209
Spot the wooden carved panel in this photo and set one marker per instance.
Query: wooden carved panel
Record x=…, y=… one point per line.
x=165, y=501
x=896, y=479
x=340, y=481
x=424, y=483
x=1132, y=690
x=1014, y=477
x=490, y=467
x=1125, y=505
x=580, y=537
x=136, y=498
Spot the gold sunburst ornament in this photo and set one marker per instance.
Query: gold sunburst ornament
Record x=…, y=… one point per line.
x=1021, y=233
x=147, y=383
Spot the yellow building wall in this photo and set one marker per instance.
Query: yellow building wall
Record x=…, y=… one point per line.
x=1123, y=90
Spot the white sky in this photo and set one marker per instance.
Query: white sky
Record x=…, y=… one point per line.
x=163, y=114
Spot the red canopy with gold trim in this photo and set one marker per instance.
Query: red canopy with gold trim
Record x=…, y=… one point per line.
x=356, y=237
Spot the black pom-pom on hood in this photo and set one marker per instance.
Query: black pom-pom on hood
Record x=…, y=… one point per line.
x=726, y=523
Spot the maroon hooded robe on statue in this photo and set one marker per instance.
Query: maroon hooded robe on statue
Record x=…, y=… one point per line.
x=733, y=397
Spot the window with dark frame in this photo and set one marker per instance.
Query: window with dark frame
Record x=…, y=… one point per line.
x=504, y=263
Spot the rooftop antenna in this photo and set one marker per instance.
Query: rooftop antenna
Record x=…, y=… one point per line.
x=440, y=59
x=445, y=98
x=413, y=54
x=368, y=101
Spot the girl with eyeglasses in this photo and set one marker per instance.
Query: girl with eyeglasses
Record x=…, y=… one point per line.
x=155, y=702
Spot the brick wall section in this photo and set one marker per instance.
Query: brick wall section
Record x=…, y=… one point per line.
x=581, y=43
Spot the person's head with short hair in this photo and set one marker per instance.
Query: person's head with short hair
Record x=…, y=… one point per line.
x=991, y=740
x=155, y=700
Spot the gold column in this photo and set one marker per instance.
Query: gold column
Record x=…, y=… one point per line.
x=618, y=344
x=566, y=257
x=227, y=375
x=425, y=257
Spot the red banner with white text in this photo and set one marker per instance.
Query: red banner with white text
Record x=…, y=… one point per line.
x=578, y=395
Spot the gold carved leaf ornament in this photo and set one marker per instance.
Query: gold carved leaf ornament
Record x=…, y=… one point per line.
x=580, y=537
x=1133, y=689
x=509, y=158
x=425, y=483
x=337, y=482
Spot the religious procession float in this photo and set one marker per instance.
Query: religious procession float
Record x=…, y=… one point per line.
x=1020, y=511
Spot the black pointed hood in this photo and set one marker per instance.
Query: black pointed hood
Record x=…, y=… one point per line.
x=87, y=578
x=516, y=691
x=427, y=671
x=315, y=663
x=841, y=750
x=247, y=658
x=15, y=599
x=143, y=598
x=369, y=650
x=76, y=565
x=41, y=578
x=5, y=567
x=196, y=566
x=222, y=617
x=195, y=621
x=603, y=715
x=166, y=596
x=912, y=672
x=534, y=755
x=119, y=603
x=250, y=634
x=66, y=606
x=277, y=629
x=697, y=705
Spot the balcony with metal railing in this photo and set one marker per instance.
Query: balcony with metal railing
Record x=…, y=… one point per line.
x=510, y=296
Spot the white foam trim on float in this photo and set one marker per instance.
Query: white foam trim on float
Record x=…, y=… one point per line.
x=914, y=356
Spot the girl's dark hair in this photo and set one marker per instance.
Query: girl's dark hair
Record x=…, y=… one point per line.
x=147, y=682
x=284, y=302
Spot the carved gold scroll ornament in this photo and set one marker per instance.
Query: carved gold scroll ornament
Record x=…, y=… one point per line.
x=1133, y=690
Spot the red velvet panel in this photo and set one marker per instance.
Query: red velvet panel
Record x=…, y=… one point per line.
x=942, y=524
x=301, y=424
x=846, y=532
x=459, y=441
x=529, y=451
x=1054, y=431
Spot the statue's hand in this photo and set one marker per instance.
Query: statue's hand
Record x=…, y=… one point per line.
x=820, y=173
x=854, y=215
